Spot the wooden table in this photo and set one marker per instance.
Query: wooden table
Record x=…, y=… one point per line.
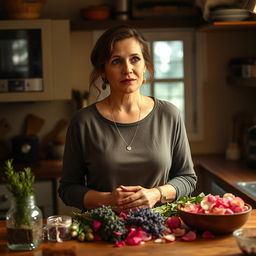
x=221, y=245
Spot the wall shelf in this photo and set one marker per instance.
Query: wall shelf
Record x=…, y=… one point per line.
x=137, y=23
x=197, y=23
x=228, y=25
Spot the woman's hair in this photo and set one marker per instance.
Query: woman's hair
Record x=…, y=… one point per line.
x=103, y=48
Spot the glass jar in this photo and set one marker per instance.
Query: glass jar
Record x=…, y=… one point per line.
x=24, y=224
x=58, y=228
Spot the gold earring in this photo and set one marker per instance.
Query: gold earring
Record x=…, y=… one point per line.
x=144, y=80
x=104, y=83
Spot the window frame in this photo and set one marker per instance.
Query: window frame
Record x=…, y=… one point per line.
x=192, y=92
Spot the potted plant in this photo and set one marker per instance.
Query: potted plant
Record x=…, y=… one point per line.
x=24, y=218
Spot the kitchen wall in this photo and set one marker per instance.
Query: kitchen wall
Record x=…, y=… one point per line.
x=219, y=99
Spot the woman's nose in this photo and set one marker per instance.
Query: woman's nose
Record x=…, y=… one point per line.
x=127, y=67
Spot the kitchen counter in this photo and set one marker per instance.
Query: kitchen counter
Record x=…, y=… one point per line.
x=209, y=168
x=42, y=170
x=215, y=168
x=221, y=245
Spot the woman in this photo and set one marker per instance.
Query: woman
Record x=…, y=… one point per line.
x=128, y=150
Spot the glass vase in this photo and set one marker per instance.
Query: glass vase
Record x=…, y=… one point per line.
x=24, y=224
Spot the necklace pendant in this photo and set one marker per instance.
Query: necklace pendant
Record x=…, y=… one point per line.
x=129, y=148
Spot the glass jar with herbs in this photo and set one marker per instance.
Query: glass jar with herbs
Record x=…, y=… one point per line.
x=24, y=219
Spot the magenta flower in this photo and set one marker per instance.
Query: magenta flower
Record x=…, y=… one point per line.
x=173, y=222
x=117, y=233
x=119, y=243
x=96, y=225
x=123, y=215
x=190, y=236
x=137, y=236
x=208, y=235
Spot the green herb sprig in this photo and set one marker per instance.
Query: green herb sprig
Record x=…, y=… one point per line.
x=19, y=183
x=170, y=209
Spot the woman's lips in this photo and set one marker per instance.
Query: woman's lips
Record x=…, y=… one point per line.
x=128, y=81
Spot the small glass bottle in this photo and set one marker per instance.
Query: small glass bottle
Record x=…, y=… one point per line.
x=58, y=228
x=24, y=224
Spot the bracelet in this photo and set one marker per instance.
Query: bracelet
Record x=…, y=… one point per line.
x=162, y=195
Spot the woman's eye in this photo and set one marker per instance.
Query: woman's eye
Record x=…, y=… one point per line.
x=115, y=61
x=135, y=59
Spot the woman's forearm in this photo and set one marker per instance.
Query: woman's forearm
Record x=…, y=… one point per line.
x=94, y=199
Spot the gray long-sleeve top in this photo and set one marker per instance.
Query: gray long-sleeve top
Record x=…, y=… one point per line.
x=96, y=157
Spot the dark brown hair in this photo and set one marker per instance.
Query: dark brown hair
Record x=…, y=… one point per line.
x=103, y=48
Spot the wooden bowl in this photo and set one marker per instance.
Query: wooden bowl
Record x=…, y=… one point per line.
x=217, y=224
x=96, y=12
x=20, y=9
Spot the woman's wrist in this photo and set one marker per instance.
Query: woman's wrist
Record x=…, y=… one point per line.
x=157, y=194
x=167, y=193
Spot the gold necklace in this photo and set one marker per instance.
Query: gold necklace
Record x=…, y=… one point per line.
x=128, y=145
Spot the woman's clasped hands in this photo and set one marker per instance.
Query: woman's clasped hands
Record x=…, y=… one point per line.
x=125, y=198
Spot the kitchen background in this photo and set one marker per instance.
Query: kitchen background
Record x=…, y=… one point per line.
x=220, y=99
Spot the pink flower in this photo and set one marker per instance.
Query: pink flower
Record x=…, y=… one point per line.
x=134, y=240
x=179, y=231
x=117, y=233
x=119, y=243
x=96, y=225
x=122, y=215
x=208, y=235
x=173, y=222
x=137, y=236
x=193, y=208
x=229, y=211
x=211, y=198
x=190, y=236
x=237, y=202
x=218, y=210
x=144, y=235
x=208, y=202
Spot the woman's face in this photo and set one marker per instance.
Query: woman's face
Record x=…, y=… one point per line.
x=126, y=66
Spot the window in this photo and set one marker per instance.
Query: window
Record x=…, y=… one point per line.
x=174, y=61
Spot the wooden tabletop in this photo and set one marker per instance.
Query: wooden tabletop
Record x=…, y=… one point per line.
x=221, y=245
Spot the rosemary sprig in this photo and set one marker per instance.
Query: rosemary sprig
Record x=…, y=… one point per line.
x=19, y=183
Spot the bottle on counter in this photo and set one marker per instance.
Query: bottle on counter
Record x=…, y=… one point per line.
x=233, y=151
